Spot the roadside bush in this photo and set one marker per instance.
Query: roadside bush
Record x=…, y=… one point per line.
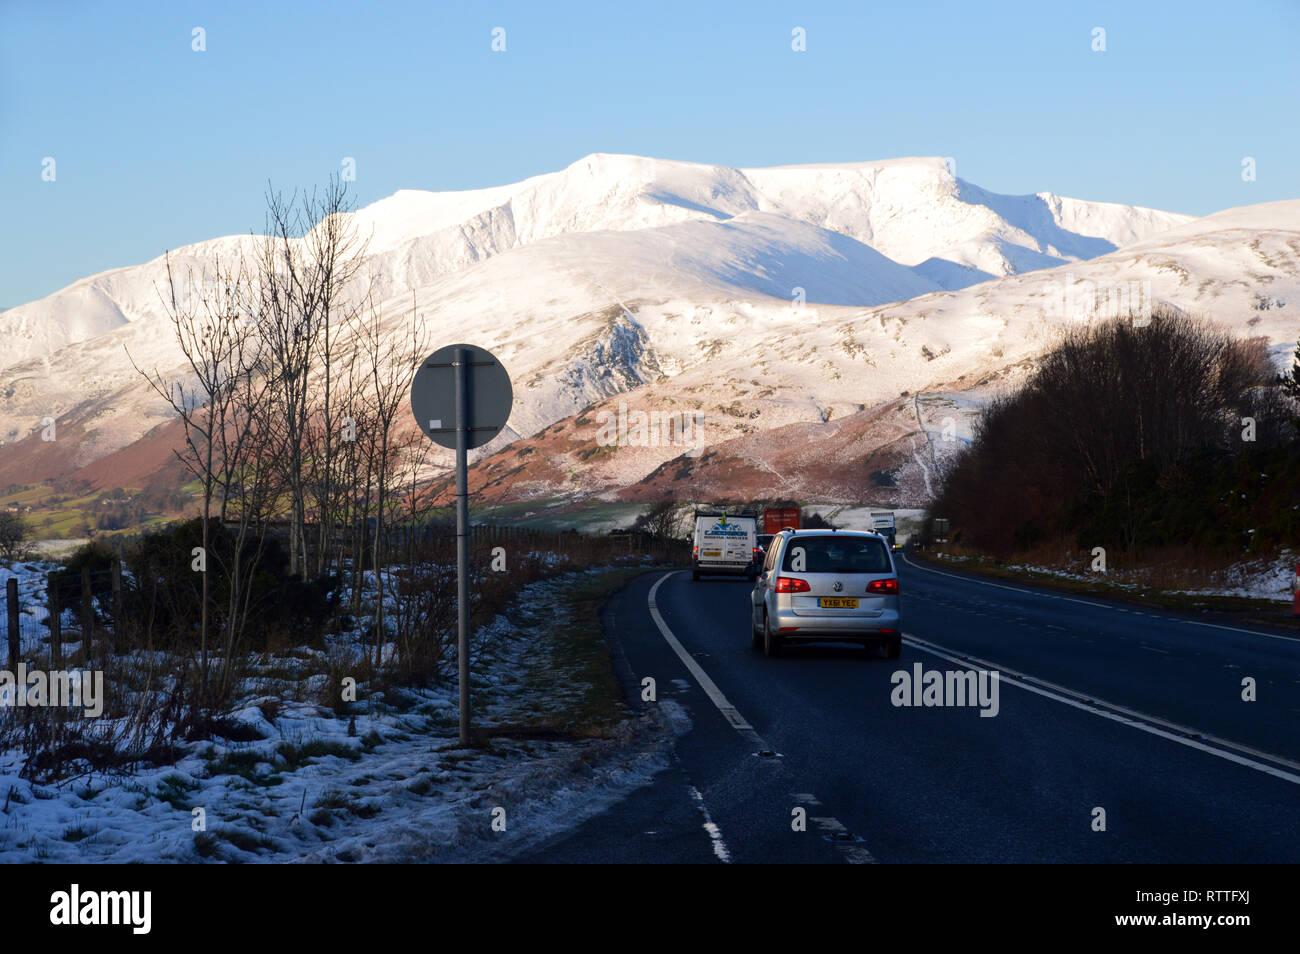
x=13, y=537
x=665, y=520
x=98, y=557
x=1239, y=503
x=1127, y=437
x=1289, y=384
x=167, y=591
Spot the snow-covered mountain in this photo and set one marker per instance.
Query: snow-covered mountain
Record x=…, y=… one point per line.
x=948, y=233
x=767, y=298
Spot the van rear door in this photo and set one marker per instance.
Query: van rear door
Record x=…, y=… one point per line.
x=726, y=541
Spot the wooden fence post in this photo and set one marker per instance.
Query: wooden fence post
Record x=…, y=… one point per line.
x=87, y=615
x=56, y=620
x=15, y=639
x=117, y=603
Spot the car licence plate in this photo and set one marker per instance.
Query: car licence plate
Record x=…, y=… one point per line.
x=838, y=602
x=713, y=553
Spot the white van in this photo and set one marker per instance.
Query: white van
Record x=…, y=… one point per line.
x=725, y=543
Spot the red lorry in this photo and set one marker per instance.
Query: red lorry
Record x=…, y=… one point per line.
x=776, y=519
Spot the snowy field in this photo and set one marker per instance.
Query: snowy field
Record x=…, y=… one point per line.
x=388, y=783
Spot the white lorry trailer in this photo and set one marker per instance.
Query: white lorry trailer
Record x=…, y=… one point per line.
x=882, y=521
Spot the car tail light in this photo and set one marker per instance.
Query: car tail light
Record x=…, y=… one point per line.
x=696, y=553
x=889, y=587
x=788, y=584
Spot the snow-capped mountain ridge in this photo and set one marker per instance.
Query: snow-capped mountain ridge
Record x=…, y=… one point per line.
x=773, y=299
x=913, y=211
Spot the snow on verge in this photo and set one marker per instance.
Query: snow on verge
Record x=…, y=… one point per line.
x=394, y=786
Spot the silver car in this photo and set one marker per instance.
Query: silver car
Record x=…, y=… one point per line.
x=818, y=585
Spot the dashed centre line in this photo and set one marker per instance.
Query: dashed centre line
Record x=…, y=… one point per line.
x=852, y=851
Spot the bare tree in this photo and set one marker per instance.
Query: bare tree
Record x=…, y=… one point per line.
x=292, y=405
x=663, y=521
x=208, y=310
x=338, y=252
x=309, y=256
x=389, y=357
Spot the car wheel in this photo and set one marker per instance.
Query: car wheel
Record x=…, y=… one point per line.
x=894, y=648
x=755, y=634
x=771, y=641
x=695, y=575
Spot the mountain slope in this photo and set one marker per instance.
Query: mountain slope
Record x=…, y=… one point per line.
x=786, y=305
x=808, y=407
x=909, y=210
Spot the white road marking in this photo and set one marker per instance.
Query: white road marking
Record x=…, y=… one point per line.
x=853, y=852
x=1071, y=599
x=1238, y=629
x=1002, y=586
x=715, y=833
x=729, y=712
x=1125, y=716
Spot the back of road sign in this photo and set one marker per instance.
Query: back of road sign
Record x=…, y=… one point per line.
x=489, y=396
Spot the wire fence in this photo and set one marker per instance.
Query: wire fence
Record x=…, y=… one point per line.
x=60, y=617
x=73, y=617
x=24, y=628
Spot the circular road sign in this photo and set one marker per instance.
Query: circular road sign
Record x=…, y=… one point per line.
x=488, y=391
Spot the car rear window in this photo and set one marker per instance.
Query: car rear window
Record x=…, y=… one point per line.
x=832, y=554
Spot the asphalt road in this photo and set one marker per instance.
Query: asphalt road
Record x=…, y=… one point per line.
x=1101, y=707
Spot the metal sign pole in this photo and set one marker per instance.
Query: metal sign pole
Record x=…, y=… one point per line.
x=461, y=411
x=462, y=542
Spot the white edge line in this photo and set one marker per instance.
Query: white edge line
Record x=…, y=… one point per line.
x=1123, y=720
x=727, y=709
x=720, y=850
x=729, y=712
x=853, y=853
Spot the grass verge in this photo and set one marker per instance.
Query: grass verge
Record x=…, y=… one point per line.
x=1225, y=609
x=578, y=691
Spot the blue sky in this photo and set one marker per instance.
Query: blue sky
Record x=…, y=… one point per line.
x=156, y=145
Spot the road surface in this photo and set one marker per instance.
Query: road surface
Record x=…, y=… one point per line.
x=1102, y=708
